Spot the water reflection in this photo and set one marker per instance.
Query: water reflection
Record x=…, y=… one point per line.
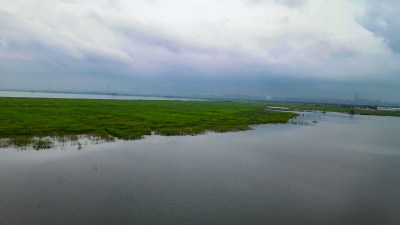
x=336, y=171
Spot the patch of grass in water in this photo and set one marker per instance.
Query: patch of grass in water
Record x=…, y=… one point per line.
x=24, y=119
x=42, y=144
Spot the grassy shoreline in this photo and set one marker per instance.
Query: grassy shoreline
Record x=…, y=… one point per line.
x=25, y=121
x=349, y=109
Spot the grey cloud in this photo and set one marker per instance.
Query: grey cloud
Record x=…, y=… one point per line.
x=382, y=18
x=153, y=36
x=173, y=46
x=146, y=45
x=287, y=3
x=90, y=49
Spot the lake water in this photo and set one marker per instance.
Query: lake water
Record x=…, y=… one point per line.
x=87, y=96
x=342, y=170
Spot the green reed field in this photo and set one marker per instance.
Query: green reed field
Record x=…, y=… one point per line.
x=25, y=121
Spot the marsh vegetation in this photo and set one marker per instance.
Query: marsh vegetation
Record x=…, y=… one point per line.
x=26, y=121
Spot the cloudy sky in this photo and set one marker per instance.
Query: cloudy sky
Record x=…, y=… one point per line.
x=287, y=48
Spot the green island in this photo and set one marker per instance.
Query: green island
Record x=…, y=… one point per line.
x=35, y=121
x=29, y=121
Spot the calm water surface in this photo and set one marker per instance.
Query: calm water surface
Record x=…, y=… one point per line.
x=342, y=170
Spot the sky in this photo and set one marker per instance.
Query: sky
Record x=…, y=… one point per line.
x=284, y=48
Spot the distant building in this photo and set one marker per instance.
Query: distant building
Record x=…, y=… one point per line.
x=388, y=109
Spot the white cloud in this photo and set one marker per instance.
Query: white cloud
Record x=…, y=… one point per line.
x=298, y=38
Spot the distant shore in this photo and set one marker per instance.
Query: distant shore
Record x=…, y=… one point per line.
x=327, y=107
x=89, y=95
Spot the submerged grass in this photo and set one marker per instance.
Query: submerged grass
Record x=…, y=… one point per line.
x=23, y=120
x=42, y=144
